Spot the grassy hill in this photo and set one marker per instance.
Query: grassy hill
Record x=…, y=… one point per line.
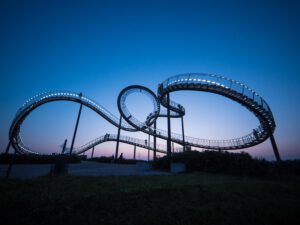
x=195, y=198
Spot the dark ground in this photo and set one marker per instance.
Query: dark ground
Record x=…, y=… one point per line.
x=197, y=198
x=26, y=171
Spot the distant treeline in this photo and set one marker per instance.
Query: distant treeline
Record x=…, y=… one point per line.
x=38, y=159
x=228, y=163
x=110, y=159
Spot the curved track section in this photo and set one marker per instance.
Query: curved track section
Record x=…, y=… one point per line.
x=226, y=87
x=124, y=139
x=231, y=89
x=38, y=100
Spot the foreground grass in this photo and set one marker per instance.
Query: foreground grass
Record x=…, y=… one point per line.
x=180, y=199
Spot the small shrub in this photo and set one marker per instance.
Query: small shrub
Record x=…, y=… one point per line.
x=291, y=167
x=110, y=159
x=161, y=163
x=216, y=162
x=102, y=159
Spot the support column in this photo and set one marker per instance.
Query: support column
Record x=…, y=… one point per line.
x=8, y=147
x=183, y=138
x=169, y=127
x=64, y=147
x=93, y=152
x=11, y=161
x=134, y=152
x=148, y=147
x=154, y=142
x=118, y=139
x=275, y=149
x=76, y=126
x=173, y=147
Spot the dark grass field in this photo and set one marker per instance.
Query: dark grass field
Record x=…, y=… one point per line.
x=198, y=198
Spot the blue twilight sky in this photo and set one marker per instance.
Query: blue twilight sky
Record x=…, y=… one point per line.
x=100, y=47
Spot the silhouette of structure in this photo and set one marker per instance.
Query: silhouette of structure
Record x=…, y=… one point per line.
x=126, y=121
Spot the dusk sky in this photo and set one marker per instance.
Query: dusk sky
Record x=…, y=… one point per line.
x=100, y=47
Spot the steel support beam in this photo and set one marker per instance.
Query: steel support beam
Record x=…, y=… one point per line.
x=11, y=162
x=154, y=142
x=118, y=139
x=169, y=150
x=76, y=126
x=183, y=138
x=10, y=159
x=275, y=149
x=64, y=147
x=134, y=152
x=8, y=147
x=93, y=152
x=148, y=147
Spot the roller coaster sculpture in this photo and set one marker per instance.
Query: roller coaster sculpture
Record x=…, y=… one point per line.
x=220, y=85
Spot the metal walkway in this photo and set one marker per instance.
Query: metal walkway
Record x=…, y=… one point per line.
x=220, y=85
x=124, y=139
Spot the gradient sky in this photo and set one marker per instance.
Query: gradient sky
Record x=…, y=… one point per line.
x=100, y=47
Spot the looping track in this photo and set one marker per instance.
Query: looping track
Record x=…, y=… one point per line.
x=197, y=82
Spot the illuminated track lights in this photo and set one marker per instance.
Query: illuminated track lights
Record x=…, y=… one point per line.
x=217, y=84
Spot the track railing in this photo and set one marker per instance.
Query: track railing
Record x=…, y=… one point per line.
x=226, y=87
